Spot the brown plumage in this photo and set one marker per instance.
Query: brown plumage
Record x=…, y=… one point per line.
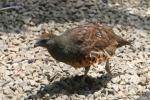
x=83, y=46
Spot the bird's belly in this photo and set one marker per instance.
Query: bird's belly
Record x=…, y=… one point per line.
x=78, y=60
x=88, y=60
x=63, y=56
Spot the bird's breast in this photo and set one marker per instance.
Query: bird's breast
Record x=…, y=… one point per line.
x=63, y=54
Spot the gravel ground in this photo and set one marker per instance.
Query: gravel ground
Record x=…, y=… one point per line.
x=31, y=73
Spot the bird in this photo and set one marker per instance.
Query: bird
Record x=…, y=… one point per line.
x=83, y=46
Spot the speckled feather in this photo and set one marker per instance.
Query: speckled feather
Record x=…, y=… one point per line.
x=86, y=45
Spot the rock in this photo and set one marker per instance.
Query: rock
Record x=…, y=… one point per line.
x=3, y=45
x=115, y=87
x=26, y=88
x=134, y=79
x=7, y=91
x=3, y=37
x=32, y=83
x=79, y=4
x=26, y=19
x=115, y=80
x=16, y=42
x=148, y=11
x=13, y=49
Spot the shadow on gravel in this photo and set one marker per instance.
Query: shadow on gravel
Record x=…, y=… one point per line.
x=145, y=96
x=73, y=85
x=62, y=11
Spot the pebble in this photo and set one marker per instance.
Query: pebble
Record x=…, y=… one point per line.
x=16, y=42
x=13, y=49
x=7, y=90
x=115, y=80
x=115, y=87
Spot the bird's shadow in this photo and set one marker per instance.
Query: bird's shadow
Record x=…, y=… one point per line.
x=73, y=85
x=144, y=96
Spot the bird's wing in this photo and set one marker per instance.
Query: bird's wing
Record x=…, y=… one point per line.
x=91, y=36
x=96, y=42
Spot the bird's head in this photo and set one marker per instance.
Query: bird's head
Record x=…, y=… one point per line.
x=45, y=40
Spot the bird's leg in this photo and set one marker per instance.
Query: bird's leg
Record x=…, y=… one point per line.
x=86, y=70
x=108, y=67
x=85, y=74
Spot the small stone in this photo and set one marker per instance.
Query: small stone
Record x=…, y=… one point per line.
x=3, y=37
x=26, y=88
x=116, y=80
x=14, y=49
x=16, y=42
x=134, y=79
x=148, y=11
x=26, y=19
x=79, y=4
x=115, y=87
x=32, y=82
x=7, y=90
x=3, y=45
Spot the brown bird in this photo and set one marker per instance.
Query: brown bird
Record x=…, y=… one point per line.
x=84, y=45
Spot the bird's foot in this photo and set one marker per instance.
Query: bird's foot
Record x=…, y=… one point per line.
x=109, y=69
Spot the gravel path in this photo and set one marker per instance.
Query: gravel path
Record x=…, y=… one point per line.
x=31, y=73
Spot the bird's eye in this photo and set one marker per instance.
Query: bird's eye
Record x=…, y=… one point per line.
x=98, y=34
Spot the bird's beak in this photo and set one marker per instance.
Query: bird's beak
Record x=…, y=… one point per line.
x=40, y=43
x=36, y=44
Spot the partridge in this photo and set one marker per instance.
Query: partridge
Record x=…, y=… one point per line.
x=83, y=46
